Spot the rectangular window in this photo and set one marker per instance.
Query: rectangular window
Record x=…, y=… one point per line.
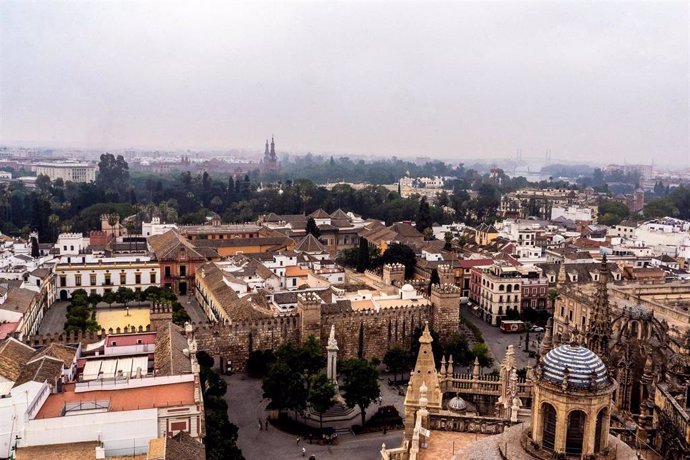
x=137, y=278
x=123, y=278
x=167, y=272
x=92, y=292
x=92, y=279
x=77, y=280
x=63, y=280
x=153, y=278
x=107, y=279
x=183, y=270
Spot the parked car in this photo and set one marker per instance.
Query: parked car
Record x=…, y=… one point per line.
x=537, y=329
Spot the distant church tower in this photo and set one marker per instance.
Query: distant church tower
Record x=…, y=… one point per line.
x=269, y=164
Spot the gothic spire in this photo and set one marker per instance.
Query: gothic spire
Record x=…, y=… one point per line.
x=273, y=147
x=266, y=151
x=599, y=331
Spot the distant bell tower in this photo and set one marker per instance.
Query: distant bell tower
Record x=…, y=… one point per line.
x=269, y=164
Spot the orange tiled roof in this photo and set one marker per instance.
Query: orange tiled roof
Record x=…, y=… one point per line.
x=171, y=395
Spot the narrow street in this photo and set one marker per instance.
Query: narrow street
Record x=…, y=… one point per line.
x=193, y=309
x=54, y=319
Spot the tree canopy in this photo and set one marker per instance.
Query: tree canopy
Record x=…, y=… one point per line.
x=361, y=384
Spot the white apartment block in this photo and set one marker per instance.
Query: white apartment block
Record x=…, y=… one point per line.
x=72, y=172
x=573, y=213
x=106, y=274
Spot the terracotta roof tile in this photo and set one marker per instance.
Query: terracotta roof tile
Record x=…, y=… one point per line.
x=13, y=357
x=169, y=357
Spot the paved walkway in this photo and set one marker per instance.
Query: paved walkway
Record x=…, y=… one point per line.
x=498, y=341
x=54, y=319
x=245, y=408
x=193, y=309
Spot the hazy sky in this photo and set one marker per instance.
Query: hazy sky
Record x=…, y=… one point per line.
x=588, y=80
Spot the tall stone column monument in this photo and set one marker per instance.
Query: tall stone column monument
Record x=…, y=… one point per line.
x=332, y=349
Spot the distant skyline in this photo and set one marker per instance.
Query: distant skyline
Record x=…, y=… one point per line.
x=590, y=81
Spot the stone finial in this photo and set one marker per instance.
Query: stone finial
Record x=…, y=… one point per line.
x=476, y=369
x=423, y=401
x=426, y=335
x=443, y=365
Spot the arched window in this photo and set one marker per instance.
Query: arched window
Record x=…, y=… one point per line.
x=548, y=438
x=510, y=288
x=576, y=433
x=599, y=433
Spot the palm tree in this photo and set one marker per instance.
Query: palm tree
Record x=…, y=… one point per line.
x=553, y=297
x=528, y=326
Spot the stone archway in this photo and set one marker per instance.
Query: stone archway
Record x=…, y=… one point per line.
x=548, y=437
x=576, y=433
x=63, y=295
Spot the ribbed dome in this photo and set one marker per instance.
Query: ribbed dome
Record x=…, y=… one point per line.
x=457, y=404
x=580, y=362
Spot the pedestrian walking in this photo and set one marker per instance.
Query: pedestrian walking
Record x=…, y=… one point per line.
x=266, y=424
x=304, y=451
x=298, y=440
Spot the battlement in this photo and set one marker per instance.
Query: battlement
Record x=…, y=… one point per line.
x=394, y=267
x=161, y=308
x=83, y=337
x=69, y=236
x=397, y=311
x=445, y=289
x=308, y=298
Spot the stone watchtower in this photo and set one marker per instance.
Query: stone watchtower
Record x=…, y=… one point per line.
x=309, y=308
x=445, y=300
x=445, y=274
x=160, y=316
x=394, y=274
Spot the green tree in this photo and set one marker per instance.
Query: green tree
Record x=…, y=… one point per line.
x=320, y=396
x=457, y=347
x=423, y=220
x=109, y=298
x=434, y=279
x=311, y=358
x=286, y=388
x=363, y=262
x=313, y=228
x=553, y=297
x=397, y=359
x=95, y=299
x=259, y=362
x=448, y=237
x=43, y=183
x=481, y=352
x=124, y=295
x=113, y=175
x=34, y=247
x=402, y=254
x=661, y=207
x=361, y=385
x=611, y=212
